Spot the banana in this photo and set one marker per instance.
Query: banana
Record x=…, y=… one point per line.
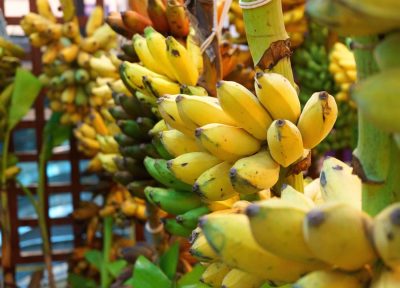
x=214, y=184
x=158, y=169
x=386, y=231
x=289, y=194
x=44, y=9
x=130, y=105
x=132, y=75
x=226, y=142
x=193, y=90
x=200, y=248
x=378, y=105
x=388, y=10
x=136, y=188
x=69, y=53
x=178, y=21
x=190, y=218
x=123, y=177
x=188, y=167
x=194, y=52
x=176, y=143
x=156, y=10
x=107, y=162
x=241, y=251
x=124, y=140
x=95, y=20
x=171, y=200
x=240, y=279
x=386, y=279
x=159, y=87
x=137, y=129
x=278, y=96
x=284, y=222
x=338, y=183
x=350, y=248
x=240, y=104
x=103, y=66
x=202, y=110
x=174, y=228
x=214, y=274
x=134, y=21
x=313, y=191
x=139, y=151
x=384, y=52
x=317, y=118
x=160, y=148
x=252, y=174
x=184, y=68
x=284, y=142
x=159, y=127
x=329, y=279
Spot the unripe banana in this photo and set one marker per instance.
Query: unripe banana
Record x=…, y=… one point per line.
x=239, y=279
x=317, y=118
x=386, y=235
x=388, y=10
x=252, y=174
x=338, y=234
x=284, y=142
x=278, y=96
x=386, y=279
x=191, y=218
x=177, y=143
x=214, y=184
x=329, y=279
x=202, y=110
x=239, y=103
x=200, y=248
x=240, y=250
x=214, y=274
x=188, y=167
x=284, y=223
x=338, y=183
x=386, y=50
x=227, y=142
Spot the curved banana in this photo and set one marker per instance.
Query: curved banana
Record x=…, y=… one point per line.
x=159, y=87
x=177, y=143
x=227, y=142
x=329, y=279
x=191, y=218
x=239, y=279
x=240, y=104
x=194, y=51
x=95, y=20
x=252, y=174
x=200, y=249
x=317, y=118
x=214, y=274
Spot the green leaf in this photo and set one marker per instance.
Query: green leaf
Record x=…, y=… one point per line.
x=148, y=275
x=115, y=268
x=196, y=285
x=55, y=133
x=26, y=89
x=169, y=261
x=192, y=277
x=76, y=281
x=95, y=258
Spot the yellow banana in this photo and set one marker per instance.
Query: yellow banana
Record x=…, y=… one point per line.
x=87, y=130
x=108, y=144
x=160, y=126
x=44, y=9
x=254, y=173
x=95, y=20
x=226, y=142
x=103, y=66
x=313, y=191
x=329, y=279
x=386, y=279
x=317, y=118
x=214, y=274
x=278, y=96
x=194, y=51
x=184, y=68
x=98, y=123
x=284, y=142
x=223, y=205
x=239, y=279
x=239, y=103
x=177, y=143
x=159, y=87
x=107, y=162
x=214, y=184
x=386, y=235
x=200, y=248
x=338, y=183
x=202, y=110
x=289, y=194
x=337, y=233
x=188, y=167
x=68, y=94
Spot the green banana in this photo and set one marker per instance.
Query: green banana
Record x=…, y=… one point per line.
x=175, y=228
x=190, y=218
x=124, y=140
x=123, y=177
x=385, y=52
x=136, y=188
x=160, y=148
x=138, y=128
x=139, y=151
x=118, y=113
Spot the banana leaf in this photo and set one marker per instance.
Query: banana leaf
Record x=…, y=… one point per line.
x=169, y=261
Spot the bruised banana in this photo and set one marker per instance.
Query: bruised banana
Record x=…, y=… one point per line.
x=171, y=200
x=386, y=231
x=338, y=183
x=239, y=279
x=317, y=118
x=329, y=279
x=214, y=184
x=241, y=105
x=252, y=174
x=337, y=233
x=176, y=143
x=284, y=142
x=214, y=274
x=200, y=249
x=241, y=251
x=278, y=96
x=188, y=167
x=226, y=142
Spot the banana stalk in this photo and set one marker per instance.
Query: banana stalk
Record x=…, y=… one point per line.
x=376, y=156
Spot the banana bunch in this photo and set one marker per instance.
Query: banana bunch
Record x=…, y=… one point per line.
x=167, y=17
x=311, y=63
x=76, y=69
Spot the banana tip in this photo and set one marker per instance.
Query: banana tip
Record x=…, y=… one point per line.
x=202, y=222
x=259, y=74
x=219, y=84
x=395, y=217
x=198, y=132
x=178, y=98
x=323, y=95
x=252, y=210
x=315, y=218
x=232, y=173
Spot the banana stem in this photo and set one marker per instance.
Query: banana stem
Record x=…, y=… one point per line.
x=6, y=261
x=375, y=158
x=107, y=242
x=158, y=238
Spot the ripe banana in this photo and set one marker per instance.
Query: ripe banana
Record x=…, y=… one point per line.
x=239, y=279
x=214, y=274
x=252, y=174
x=178, y=21
x=278, y=96
x=284, y=142
x=350, y=248
x=226, y=142
x=159, y=87
x=200, y=248
x=188, y=167
x=289, y=194
x=317, y=118
x=313, y=191
x=214, y=184
x=194, y=52
x=177, y=143
x=338, y=183
x=386, y=231
x=329, y=279
x=386, y=279
x=240, y=104
x=94, y=21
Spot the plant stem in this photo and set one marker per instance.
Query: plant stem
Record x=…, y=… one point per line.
x=376, y=156
x=158, y=238
x=6, y=260
x=107, y=242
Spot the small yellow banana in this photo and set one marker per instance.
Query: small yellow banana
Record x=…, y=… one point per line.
x=239, y=279
x=177, y=143
x=214, y=274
